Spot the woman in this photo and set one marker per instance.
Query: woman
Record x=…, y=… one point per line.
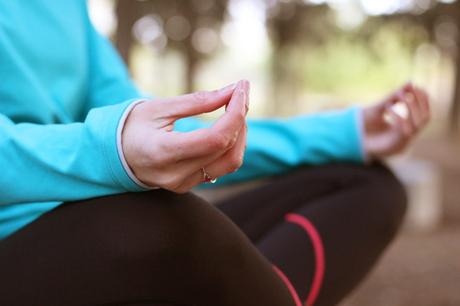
x=83, y=153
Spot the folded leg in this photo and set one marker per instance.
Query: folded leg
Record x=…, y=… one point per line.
x=323, y=228
x=154, y=248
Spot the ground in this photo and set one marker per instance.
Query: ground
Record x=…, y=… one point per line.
x=422, y=269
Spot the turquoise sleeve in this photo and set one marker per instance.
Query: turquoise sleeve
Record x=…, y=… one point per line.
x=62, y=162
x=109, y=79
x=275, y=146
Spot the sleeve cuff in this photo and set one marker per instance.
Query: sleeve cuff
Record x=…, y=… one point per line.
x=110, y=119
x=121, y=155
x=359, y=118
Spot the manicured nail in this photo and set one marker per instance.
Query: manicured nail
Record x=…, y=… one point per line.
x=247, y=89
x=229, y=87
x=246, y=84
x=242, y=93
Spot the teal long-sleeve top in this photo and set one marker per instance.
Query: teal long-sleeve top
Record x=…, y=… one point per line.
x=63, y=92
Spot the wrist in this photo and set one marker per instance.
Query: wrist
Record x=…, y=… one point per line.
x=361, y=116
x=124, y=150
x=369, y=147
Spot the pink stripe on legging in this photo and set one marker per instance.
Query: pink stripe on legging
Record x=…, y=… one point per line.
x=319, y=254
x=284, y=278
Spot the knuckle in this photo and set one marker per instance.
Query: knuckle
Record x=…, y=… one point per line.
x=201, y=96
x=234, y=164
x=240, y=117
x=232, y=140
x=237, y=163
x=220, y=141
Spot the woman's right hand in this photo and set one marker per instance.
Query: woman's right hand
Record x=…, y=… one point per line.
x=161, y=157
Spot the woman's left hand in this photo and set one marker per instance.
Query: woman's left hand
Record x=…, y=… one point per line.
x=387, y=131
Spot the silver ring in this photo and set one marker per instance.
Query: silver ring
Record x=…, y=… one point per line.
x=207, y=178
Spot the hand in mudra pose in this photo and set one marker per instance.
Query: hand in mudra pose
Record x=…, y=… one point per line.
x=161, y=157
x=387, y=132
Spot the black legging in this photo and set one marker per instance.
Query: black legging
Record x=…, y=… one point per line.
x=313, y=236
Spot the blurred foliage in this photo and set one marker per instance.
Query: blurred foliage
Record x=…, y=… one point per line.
x=184, y=26
x=312, y=49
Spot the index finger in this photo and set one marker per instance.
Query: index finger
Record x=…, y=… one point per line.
x=220, y=137
x=422, y=99
x=235, y=114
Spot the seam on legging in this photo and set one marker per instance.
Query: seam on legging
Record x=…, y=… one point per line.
x=319, y=255
x=289, y=285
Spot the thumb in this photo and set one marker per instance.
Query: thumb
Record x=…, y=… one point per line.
x=198, y=102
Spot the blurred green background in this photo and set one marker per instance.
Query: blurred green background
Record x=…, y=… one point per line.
x=305, y=56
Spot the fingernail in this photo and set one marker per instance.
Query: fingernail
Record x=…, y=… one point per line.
x=242, y=93
x=229, y=87
x=246, y=87
x=244, y=84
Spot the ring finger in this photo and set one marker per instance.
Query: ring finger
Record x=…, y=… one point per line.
x=227, y=163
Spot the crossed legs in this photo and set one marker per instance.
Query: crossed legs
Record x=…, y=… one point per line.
x=307, y=238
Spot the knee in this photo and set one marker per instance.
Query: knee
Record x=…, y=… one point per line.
x=376, y=185
x=387, y=200
x=151, y=231
x=212, y=238
x=137, y=226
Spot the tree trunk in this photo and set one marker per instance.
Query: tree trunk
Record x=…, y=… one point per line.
x=127, y=15
x=455, y=108
x=191, y=68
